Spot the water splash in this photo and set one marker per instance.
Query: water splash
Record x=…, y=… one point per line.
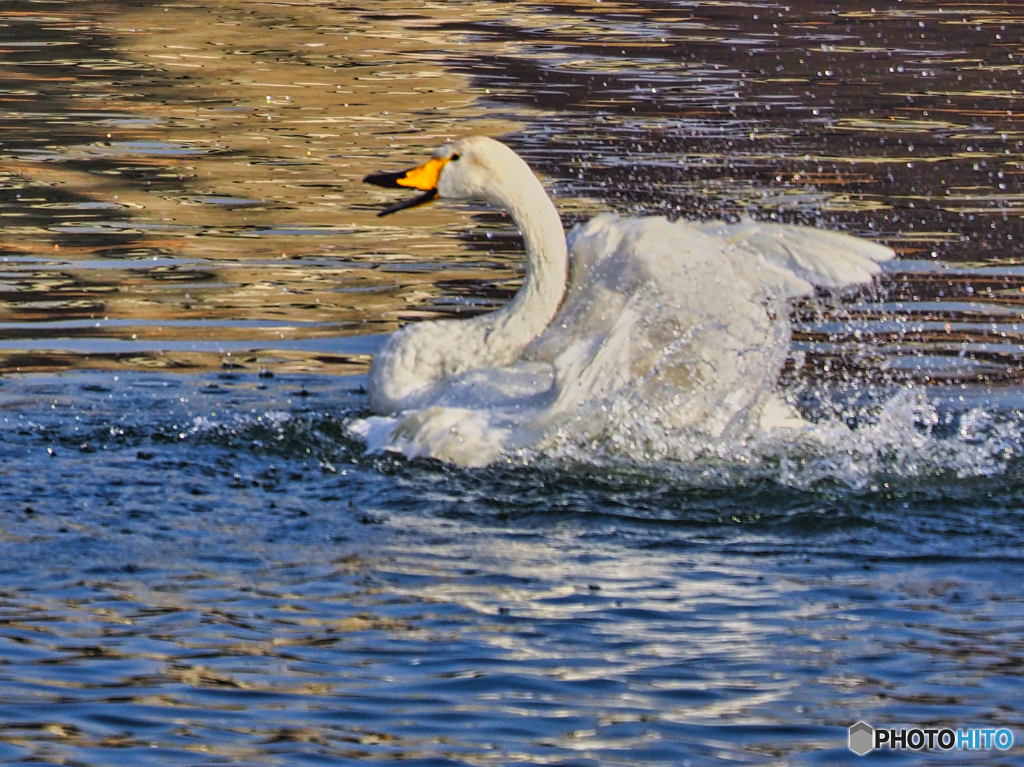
x=904, y=437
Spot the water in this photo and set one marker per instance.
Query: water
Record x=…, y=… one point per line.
x=198, y=564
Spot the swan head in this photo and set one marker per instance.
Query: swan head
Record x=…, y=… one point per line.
x=477, y=168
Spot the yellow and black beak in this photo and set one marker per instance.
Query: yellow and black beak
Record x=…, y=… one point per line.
x=423, y=177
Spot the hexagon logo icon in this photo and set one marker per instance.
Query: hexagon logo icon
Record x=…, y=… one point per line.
x=862, y=738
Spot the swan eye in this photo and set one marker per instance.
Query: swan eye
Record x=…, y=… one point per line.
x=454, y=157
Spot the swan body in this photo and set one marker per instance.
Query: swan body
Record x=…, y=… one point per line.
x=633, y=335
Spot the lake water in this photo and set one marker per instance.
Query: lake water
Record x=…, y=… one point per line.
x=199, y=565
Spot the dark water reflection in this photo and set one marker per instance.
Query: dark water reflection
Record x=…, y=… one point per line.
x=203, y=568
x=897, y=123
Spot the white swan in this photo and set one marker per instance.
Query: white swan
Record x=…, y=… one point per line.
x=637, y=334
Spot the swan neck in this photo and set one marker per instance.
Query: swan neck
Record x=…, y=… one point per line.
x=537, y=301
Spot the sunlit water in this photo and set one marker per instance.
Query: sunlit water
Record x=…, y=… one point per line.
x=199, y=566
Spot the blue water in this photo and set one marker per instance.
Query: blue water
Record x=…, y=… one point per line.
x=207, y=570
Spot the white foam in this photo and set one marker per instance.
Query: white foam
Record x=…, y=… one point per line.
x=901, y=438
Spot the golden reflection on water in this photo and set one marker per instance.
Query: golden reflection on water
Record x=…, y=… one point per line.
x=236, y=138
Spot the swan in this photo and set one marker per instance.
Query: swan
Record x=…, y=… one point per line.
x=630, y=335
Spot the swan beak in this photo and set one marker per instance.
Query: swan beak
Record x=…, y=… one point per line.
x=423, y=177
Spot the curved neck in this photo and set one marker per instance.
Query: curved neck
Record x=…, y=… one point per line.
x=419, y=356
x=528, y=314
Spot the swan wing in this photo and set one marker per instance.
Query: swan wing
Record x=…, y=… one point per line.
x=792, y=260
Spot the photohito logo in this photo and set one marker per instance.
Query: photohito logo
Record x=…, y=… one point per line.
x=862, y=738
x=865, y=738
